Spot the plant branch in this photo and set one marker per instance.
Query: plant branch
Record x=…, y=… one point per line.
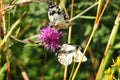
x=10, y=31
x=108, y=52
x=77, y=16
x=98, y=18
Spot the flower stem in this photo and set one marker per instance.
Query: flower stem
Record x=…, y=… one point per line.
x=73, y=67
x=69, y=37
x=70, y=28
x=65, y=73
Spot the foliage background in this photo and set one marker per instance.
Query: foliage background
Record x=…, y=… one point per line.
x=39, y=62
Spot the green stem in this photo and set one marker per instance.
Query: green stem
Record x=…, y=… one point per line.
x=83, y=54
x=108, y=52
x=78, y=16
x=97, y=21
x=10, y=31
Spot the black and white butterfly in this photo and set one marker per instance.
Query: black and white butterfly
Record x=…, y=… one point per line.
x=69, y=53
x=57, y=18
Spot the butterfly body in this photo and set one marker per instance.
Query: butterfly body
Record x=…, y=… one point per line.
x=57, y=18
x=69, y=53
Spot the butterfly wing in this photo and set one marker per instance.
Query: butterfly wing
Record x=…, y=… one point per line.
x=64, y=24
x=57, y=18
x=69, y=53
x=65, y=54
x=65, y=58
x=67, y=47
x=78, y=55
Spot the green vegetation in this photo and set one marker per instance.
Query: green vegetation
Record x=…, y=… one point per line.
x=22, y=57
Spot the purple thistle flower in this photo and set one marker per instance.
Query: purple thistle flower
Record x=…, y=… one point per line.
x=50, y=37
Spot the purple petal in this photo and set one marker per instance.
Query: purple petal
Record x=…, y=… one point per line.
x=50, y=37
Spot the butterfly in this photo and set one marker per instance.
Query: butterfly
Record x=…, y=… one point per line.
x=69, y=53
x=58, y=18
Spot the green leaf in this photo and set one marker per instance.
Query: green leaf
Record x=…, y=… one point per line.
x=117, y=46
x=3, y=69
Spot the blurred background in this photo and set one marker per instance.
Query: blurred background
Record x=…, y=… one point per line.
x=40, y=63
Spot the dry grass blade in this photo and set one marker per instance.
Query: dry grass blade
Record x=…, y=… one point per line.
x=91, y=36
x=10, y=31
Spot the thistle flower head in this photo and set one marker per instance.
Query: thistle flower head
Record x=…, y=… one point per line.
x=50, y=37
